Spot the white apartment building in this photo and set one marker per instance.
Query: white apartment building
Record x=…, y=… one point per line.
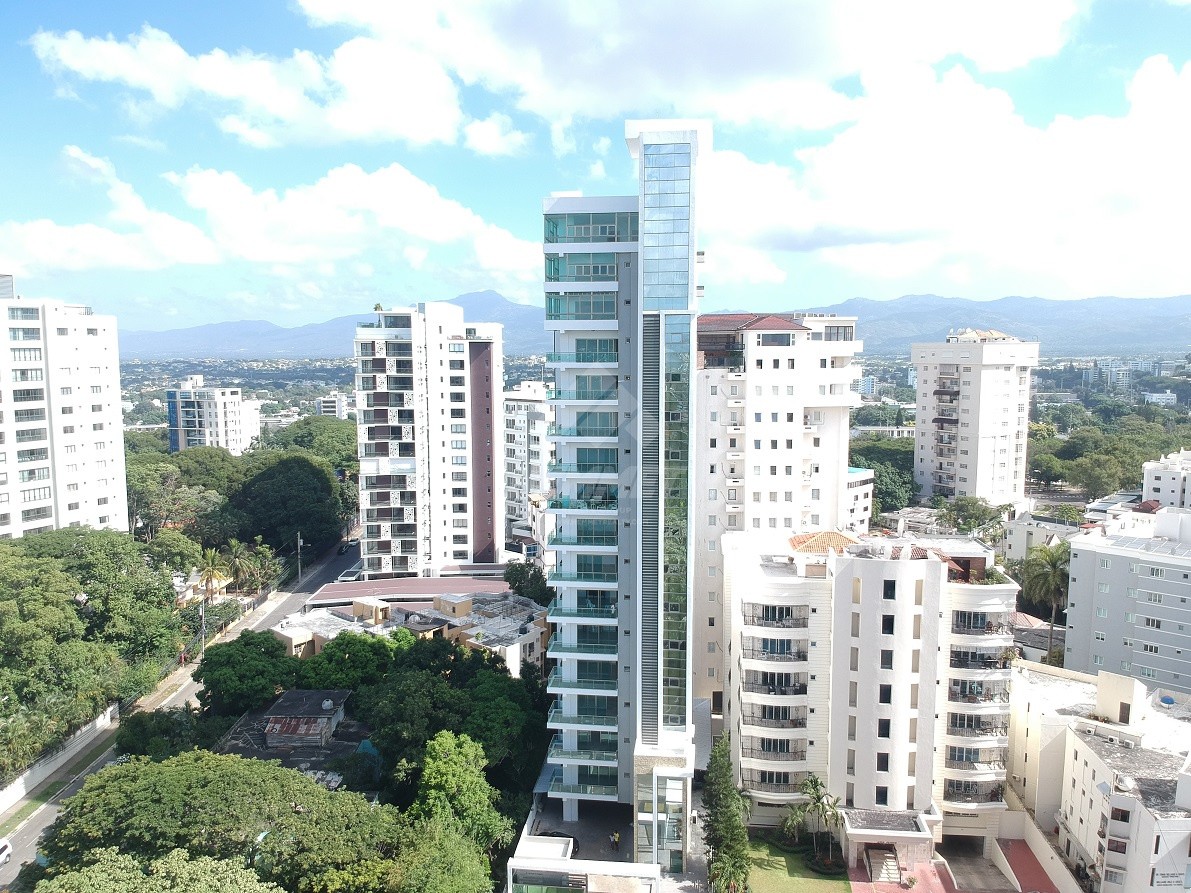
x=1168, y=480
x=1160, y=398
x=621, y=300
x=209, y=415
x=1105, y=772
x=880, y=664
x=973, y=415
x=61, y=427
x=1129, y=603
x=773, y=398
x=335, y=404
x=428, y=392
x=527, y=424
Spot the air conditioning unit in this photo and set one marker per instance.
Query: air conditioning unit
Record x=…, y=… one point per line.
x=1111, y=739
x=1129, y=744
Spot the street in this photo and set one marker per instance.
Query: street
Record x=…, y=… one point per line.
x=173, y=691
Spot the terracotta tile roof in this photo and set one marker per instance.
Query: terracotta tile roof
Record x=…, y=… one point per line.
x=737, y=322
x=819, y=543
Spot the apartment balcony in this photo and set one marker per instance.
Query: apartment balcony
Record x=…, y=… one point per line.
x=770, y=722
x=946, y=439
x=756, y=615
x=946, y=391
x=590, y=542
x=945, y=420
x=974, y=796
x=787, y=756
x=991, y=628
x=944, y=477
x=768, y=655
x=585, y=358
x=591, y=650
x=558, y=612
x=559, y=788
x=758, y=688
x=986, y=733
x=558, y=753
x=570, y=504
x=587, y=469
x=558, y=718
x=605, y=396
x=995, y=699
x=594, y=432
x=992, y=769
x=765, y=787
x=595, y=578
x=946, y=452
x=559, y=684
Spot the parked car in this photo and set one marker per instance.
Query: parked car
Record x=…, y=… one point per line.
x=5, y=851
x=354, y=541
x=343, y=547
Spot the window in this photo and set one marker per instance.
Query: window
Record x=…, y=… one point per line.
x=1153, y=623
x=886, y=659
x=885, y=694
x=887, y=625
x=882, y=728
x=882, y=762
x=889, y=589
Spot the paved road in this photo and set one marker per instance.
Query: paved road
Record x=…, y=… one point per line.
x=175, y=690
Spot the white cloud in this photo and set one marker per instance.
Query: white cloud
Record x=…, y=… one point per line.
x=133, y=236
x=495, y=135
x=141, y=142
x=597, y=171
x=603, y=144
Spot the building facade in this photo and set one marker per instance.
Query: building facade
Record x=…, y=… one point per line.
x=973, y=416
x=428, y=397
x=527, y=423
x=61, y=423
x=201, y=415
x=882, y=666
x=773, y=397
x=1168, y=480
x=621, y=299
x=335, y=404
x=1128, y=598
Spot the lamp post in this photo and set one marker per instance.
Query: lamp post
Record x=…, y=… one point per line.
x=299, y=556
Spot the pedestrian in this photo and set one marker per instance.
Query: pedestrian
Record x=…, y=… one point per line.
x=616, y=840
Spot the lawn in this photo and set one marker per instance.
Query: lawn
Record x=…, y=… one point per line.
x=777, y=872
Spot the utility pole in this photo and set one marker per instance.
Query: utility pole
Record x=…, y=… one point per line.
x=299, y=556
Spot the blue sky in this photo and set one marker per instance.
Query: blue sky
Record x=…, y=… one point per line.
x=181, y=163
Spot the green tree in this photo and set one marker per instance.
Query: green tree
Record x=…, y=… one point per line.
x=245, y=673
x=871, y=451
x=1046, y=576
x=724, y=829
x=285, y=493
x=146, y=442
x=971, y=514
x=1047, y=469
x=875, y=414
x=173, y=551
x=237, y=558
x=529, y=581
x=350, y=660
x=438, y=858
x=892, y=489
x=110, y=871
x=1096, y=475
x=332, y=439
x=1064, y=511
x=210, y=468
x=453, y=789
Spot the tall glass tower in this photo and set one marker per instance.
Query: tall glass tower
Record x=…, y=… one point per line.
x=621, y=298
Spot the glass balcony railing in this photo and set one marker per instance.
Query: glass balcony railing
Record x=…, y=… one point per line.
x=589, y=790
x=584, y=356
x=580, y=612
x=581, y=576
x=557, y=680
x=590, y=539
x=583, y=431
x=569, y=503
x=605, y=394
x=582, y=468
x=559, y=752
x=558, y=716
x=581, y=648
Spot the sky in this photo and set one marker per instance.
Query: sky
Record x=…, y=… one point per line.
x=181, y=163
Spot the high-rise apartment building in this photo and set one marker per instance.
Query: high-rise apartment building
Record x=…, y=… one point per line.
x=621, y=299
x=973, y=416
x=428, y=398
x=879, y=664
x=774, y=398
x=208, y=415
x=61, y=425
x=526, y=445
x=335, y=404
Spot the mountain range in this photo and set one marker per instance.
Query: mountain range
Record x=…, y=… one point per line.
x=1091, y=327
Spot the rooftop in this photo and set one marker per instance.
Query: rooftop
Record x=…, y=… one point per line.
x=1150, y=773
x=405, y=589
x=884, y=819
x=739, y=322
x=308, y=702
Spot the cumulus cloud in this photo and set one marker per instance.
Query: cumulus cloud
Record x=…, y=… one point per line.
x=495, y=135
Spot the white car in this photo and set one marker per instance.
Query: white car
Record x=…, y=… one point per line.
x=5, y=851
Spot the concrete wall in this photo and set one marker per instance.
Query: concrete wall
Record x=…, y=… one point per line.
x=44, y=768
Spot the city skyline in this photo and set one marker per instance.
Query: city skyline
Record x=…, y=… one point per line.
x=256, y=163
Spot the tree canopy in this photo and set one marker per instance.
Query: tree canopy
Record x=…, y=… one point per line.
x=245, y=673
x=109, y=871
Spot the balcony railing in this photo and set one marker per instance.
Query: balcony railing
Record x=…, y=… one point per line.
x=582, y=467
x=559, y=717
x=583, y=431
x=559, y=752
x=762, y=654
x=984, y=698
x=586, y=356
x=769, y=722
x=581, y=612
x=992, y=792
x=581, y=647
x=568, y=503
x=589, y=790
x=991, y=628
x=776, y=622
x=587, y=539
x=556, y=680
x=559, y=396
x=582, y=577
x=976, y=765
x=978, y=731
x=772, y=788
x=988, y=663
x=797, y=688
x=756, y=753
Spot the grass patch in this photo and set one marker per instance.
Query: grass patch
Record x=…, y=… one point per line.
x=48, y=790
x=774, y=871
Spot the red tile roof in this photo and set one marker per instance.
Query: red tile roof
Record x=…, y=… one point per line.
x=819, y=543
x=737, y=322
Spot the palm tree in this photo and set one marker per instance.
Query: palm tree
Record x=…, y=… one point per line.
x=1046, y=578
x=211, y=569
x=238, y=561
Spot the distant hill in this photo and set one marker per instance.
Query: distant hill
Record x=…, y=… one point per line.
x=1096, y=326
x=1090, y=327
x=260, y=340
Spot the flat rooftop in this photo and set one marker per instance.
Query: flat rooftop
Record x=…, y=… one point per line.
x=404, y=589
x=1154, y=772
